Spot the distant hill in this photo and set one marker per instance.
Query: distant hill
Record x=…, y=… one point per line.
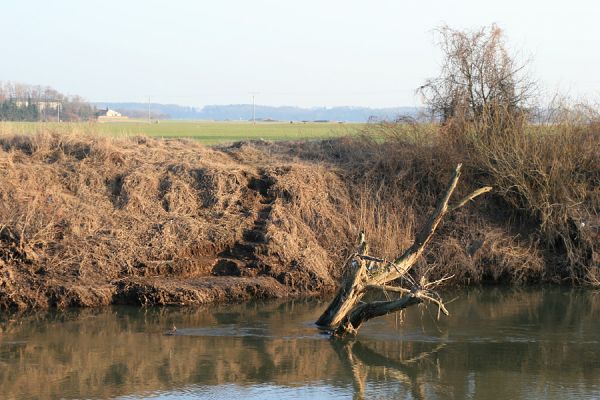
x=236, y=112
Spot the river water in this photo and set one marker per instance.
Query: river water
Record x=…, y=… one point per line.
x=496, y=344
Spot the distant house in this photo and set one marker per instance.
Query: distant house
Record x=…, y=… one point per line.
x=107, y=115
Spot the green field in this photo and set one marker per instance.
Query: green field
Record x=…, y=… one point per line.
x=202, y=131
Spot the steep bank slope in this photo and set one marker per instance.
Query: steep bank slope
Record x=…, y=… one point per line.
x=88, y=221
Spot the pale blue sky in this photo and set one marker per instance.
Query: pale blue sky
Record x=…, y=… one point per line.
x=307, y=53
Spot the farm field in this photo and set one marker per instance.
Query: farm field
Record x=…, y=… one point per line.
x=206, y=132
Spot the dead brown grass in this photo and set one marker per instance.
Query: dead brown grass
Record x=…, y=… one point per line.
x=90, y=221
x=87, y=221
x=541, y=223
x=548, y=177
x=543, y=219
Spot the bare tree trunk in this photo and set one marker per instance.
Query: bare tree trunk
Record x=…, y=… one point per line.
x=366, y=311
x=344, y=315
x=351, y=290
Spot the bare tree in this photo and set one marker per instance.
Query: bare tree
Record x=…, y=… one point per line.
x=478, y=77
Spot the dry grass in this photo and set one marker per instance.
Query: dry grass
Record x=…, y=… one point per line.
x=87, y=221
x=541, y=223
x=544, y=214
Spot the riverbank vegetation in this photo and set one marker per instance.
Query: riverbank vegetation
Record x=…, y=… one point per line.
x=88, y=220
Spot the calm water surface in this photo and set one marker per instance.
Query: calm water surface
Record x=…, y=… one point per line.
x=496, y=344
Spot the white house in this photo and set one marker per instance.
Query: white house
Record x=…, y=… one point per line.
x=108, y=113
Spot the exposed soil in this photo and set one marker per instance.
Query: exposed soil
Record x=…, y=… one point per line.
x=88, y=221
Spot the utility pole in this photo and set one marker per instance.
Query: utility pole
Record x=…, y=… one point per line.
x=253, y=108
x=58, y=113
x=148, y=109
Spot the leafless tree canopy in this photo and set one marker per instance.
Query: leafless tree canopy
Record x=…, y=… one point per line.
x=478, y=76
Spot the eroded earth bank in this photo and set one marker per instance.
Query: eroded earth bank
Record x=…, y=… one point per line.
x=90, y=221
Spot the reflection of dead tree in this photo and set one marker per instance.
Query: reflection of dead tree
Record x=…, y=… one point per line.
x=359, y=373
x=360, y=359
x=346, y=312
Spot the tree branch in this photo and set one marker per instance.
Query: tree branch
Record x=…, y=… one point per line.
x=470, y=197
x=404, y=262
x=388, y=288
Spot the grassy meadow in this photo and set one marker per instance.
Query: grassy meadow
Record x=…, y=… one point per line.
x=206, y=132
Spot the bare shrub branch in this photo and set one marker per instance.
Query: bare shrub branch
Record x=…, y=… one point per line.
x=478, y=76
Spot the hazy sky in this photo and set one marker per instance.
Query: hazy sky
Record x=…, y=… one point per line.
x=306, y=53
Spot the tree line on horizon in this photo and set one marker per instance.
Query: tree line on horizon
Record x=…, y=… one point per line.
x=22, y=102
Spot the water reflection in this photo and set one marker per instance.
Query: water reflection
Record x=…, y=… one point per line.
x=496, y=344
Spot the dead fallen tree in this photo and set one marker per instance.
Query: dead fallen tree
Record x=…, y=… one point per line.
x=363, y=272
